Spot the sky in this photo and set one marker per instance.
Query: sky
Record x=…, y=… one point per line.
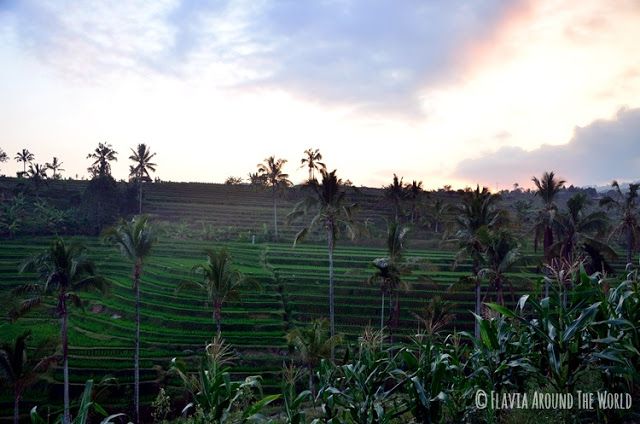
x=446, y=92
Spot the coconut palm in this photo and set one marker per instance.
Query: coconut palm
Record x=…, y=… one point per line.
x=220, y=280
x=140, y=170
x=501, y=253
x=414, y=192
x=395, y=193
x=20, y=367
x=3, y=156
x=135, y=240
x=64, y=270
x=37, y=173
x=577, y=231
x=477, y=211
x=628, y=225
x=102, y=155
x=547, y=188
x=271, y=170
x=437, y=213
x=313, y=344
x=389, y=274
x=56, y=167
x=25, y=156
x=327, y=199
x=312, y=162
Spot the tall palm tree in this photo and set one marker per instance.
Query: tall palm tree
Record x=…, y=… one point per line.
x=477, y=211
x=20, y=368
x=25, y=156
x=140, y=171
x=389, y=273
x=56, y=167
x=577, y=231
x=271, y=170
x=64, y=270
x=501, y=254
x=102, y=155
x=220, y=280
x=414, y=192
x=547, y=188
x=135, y=240
x=312, y=160
x=436, y=214
x=313, y=344
x=396, y=193
x=327, y=199
x=37, y=173
x=628, y=224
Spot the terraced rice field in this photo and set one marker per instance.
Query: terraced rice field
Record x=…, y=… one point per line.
x=179, y=324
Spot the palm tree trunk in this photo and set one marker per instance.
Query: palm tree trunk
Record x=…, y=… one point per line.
x=140, y=196
x=330, y=243
x=16, y=408
x=217, y=308
x=390, y=317
x=65, y=364
x=275, y=215
x=382, y=313
x=136, y=354
x=475, y=269
x=312, y=388
x=629, y=245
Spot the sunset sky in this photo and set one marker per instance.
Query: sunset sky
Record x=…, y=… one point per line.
x=447, y=92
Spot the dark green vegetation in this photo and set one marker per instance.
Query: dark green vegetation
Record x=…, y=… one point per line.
x=428, y=378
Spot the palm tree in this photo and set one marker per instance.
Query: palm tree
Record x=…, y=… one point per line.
x=220, y=280
x=414, y=192
x=576, y=229
x=312, y=161
x=25, y=156
x=37, y=173
x=628, y=224
x=389, y=274
x=477, y=211
x=313, y=344
x=501, y=254
x=140, y=171
x=3, y=156
x=55, y=166
x=64, y=270
x=103, y=154
x=21, y=368
x=547, y=188
x=437, y=213
x=271, y=170
x=135, y=239
x=327, y=199
x=396, y=193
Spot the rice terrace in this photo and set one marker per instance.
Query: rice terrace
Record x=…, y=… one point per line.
x=339, y=212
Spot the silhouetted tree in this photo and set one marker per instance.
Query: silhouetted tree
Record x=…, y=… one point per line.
x=25, y=156
x=140, y=171
x=271, y=170
x=312, y=160
x=56, y=167
x=102, y=155
x=628, y=223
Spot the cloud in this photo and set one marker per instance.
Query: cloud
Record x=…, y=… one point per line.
x=373, y=55
x=596, y=154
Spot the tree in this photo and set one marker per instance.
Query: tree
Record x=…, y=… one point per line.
x=102, y=155
x=547, y=188
x=271, y=170
x=501, y=254
x=437, y=213
x=576, y=229
x=478, y=211
x=37, y=174
x=313, y=344
x=56, y=167
x=142, y=165
x=21, y=368
x=389, y=273
x=414, y=192
x=312, y=162
x=396, y=193
x=3, y=156
x=628, y=225
x=256, y=179
x=64, y=270
x=327, y=199
x=135, y=239
x=220, y=280
x=25, y=156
